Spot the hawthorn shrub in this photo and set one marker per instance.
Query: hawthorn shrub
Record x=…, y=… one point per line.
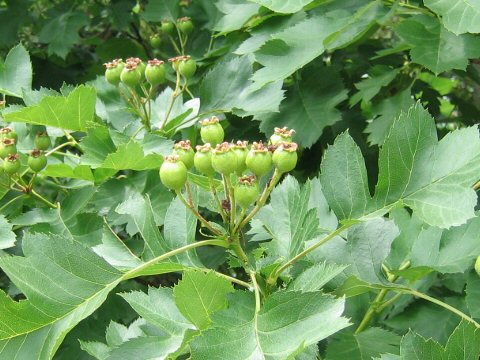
x=239, y=180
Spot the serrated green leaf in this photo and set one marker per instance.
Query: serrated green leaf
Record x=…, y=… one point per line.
x=82, y=172
x=7, y=236
x=473, y=294
x=16, y=72
x=313, y=278
x=296, y=46
x=282, y=6
x=458, y=16
x=72, y=112
x=198, y=295
x=158, y=308
x=364, y=345
x=80, y=281
x=61, y=32
x=464, y=343
x=379, y=76
x=131, y=156
x=140, y=210
x=448, y=251
x=239, y=333
x=344, y=179
x=424, y=169
x=236, y=14
x=385, y=113
x=310, y=107
x=435, y=47
x=289, y=219
x=234, y=95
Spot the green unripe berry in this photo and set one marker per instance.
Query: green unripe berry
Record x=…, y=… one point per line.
x=203, y=160
x=259, y=159
x=285, y=157
x=187, y=68
x=42, y=141
x=131, y=75
x=185, y=153
x=240, y=149
x=281, y=135
x=224, y=159
x=37, y=160
x=114, y=71
x=477, y=265
x=185, y=25
x=246, y=192
x=11, y=165
x=173, y=173
x=8, y=133
x=155, y=72
x=167, y=27
x=211, y=131
x=155, y=41
x=7, y=147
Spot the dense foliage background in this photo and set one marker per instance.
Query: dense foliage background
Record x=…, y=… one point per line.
x=369, y=87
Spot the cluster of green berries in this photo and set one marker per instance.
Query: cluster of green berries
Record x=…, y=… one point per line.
x=133, y=71
x=167, y=27
x=217, y=156
x=11, y=159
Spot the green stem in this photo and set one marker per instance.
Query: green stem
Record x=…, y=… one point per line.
x=135, y=272
x=41, y=198
x=198, y=215
x=50, y=152
x=257, y=291
x=377, y=302
x=172, y=101
x=389, y=302
x=229, y=278
x=273, y=278
x=439, y=303
x=237, y=248
x=217, y=199
x=231, y=199
x=174, y=45
x=261, y=202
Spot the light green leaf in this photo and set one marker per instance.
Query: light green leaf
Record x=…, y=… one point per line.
x=198, y=295
x=378, y=77
x=158, y=309
x=236, y=13
x=16, y=72
x=239, y=333
x=316, y=276
x=284, y=6
x=458, y=16
x=82, y=172
x=310, y=106
x=289, y=219
x=72, y=112
x=473, y=294
x=344, y=179
x=7, y=236
x=140, y=210
x=61, y=32
x=234, y=95
x=64, y=282
x=296, y=46
x=423, y=169
x=448, y=251
x=435, y=47
x=464, y=343
x=131, y=156
x=385, y=112
x=363, y=346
